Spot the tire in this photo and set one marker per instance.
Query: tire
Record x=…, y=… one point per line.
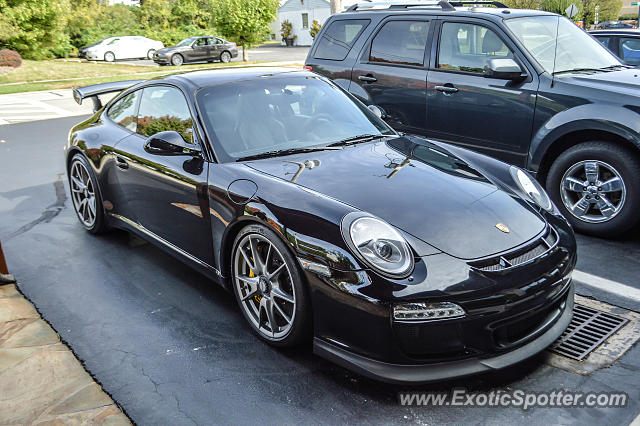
x=617, y=168
x=109, y=57
x=177, y=60
x=150, y=53
x=225, y=57
x=267, y=285
x=83, y=185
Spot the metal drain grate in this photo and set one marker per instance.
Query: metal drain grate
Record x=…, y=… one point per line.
x=587, y=330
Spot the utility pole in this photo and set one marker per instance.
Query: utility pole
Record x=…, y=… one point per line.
x=336, y=6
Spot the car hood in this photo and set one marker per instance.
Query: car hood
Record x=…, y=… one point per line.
x=420, y=188
x=171, y=49
x=625, y=81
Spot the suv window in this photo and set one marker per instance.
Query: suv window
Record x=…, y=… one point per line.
x=468, y=47
x=123, y=111
x=337, y=40
x=400, y=42
x=630, y=50
x=164, y=108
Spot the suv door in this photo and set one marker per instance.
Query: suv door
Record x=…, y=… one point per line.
x=167, y=193
x=391, y=72
x=466, y=108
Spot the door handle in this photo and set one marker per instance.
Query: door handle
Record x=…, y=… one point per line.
x=122, y=163
x=447, y=89
x=367, y=78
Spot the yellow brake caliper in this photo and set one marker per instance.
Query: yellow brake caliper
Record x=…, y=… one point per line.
x=257, y=297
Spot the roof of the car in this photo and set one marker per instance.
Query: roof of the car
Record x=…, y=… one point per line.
x=202, y=78
x=498, y=12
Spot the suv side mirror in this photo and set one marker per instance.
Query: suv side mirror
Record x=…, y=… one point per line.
x=170, y=143
x=503, y=69
x=379, y=112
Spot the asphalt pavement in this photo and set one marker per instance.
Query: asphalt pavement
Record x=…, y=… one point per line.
x=172, y=348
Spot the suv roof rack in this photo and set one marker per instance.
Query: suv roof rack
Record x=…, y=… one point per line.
x=443, y=4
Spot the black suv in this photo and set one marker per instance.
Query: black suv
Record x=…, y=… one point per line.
x=528, y=87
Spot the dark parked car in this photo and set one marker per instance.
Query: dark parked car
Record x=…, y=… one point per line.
x=491, y=79
x=197, y=49
x=607, y=25
x=625, y=44
x=405, y=260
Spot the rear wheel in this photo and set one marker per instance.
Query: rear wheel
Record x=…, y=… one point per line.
x=86, y=195
x=596, y=186
x=269, y=287
x=225, y=57
x=177, y=60
x=150, y=53
x=109, y=57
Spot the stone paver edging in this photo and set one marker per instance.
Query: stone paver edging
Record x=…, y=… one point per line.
x=41, y=381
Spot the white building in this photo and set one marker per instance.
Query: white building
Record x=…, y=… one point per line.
x=301, y=13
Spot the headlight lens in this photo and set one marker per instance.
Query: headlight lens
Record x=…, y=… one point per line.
x=381, y=246
x=532, y=188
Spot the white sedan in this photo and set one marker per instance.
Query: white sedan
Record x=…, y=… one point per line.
x=125, y=47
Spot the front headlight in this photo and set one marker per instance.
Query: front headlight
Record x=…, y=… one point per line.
x=378, y=244
x=531, y=188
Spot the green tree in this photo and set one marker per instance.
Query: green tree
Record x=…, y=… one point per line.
x=609, y=10
x=315, y=29
x=35, y=28
x=245, y=22
x=523, y=4
x=171, y=21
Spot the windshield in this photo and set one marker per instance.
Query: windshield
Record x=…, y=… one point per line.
x=186, y=42
x=247, y=118
x=576, y=49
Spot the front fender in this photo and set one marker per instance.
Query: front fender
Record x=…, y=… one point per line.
x=622, y=121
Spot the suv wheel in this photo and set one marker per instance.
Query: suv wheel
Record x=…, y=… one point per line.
x=596, y=187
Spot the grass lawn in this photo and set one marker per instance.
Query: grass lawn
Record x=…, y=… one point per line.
x=57, y=74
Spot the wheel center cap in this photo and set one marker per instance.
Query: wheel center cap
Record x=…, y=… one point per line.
x=264, y=285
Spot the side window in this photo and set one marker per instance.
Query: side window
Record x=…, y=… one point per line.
x=305, y=21
x=604, y=40
x=201, y=42
x=630, y=50
x=339, y=37
x=164, y=108
x=400, y=42
x=123, y=111
x=468, y=47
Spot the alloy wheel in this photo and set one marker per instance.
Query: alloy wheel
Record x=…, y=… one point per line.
x=265, y=287
x=83, y=194
x=593, y=191
x=150, y=53
x=177, y=60
x=225, y=57
x=109, y=57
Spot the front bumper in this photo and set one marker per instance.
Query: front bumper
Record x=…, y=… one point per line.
x=549, y=331
x=161, y=59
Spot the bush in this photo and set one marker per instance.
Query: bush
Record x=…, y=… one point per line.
x=628, y=17
x=10, y=58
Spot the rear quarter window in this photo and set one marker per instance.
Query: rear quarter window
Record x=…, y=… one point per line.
x=339, y=37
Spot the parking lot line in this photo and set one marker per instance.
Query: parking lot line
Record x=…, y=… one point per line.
x=607, y=285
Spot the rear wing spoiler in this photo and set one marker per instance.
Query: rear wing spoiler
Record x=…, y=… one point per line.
x=93, y=91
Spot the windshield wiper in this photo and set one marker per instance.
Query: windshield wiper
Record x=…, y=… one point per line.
x=281, y=152
x=607, y=69
x=357, y=139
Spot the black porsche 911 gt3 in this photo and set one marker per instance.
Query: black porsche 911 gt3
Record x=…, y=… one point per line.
x=403, y=259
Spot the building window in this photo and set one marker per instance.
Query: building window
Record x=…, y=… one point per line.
x=305, y=21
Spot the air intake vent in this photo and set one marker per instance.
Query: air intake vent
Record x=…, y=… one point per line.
x=588, y=329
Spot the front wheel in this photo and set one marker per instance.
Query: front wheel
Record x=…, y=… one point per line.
x=596, y=187
x=269, y=287
x=109, y=57
x=225, y=57
x=177, y=60
x=86, y=195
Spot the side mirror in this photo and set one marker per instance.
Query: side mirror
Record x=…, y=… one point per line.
x=170, y=143
x=379, y=112
x=503, y=69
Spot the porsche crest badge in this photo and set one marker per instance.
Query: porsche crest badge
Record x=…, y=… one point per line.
x=502, y=227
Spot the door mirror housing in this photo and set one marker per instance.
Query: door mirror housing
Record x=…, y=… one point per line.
x=379, y=112
x=170, y=143
x=503, y=69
